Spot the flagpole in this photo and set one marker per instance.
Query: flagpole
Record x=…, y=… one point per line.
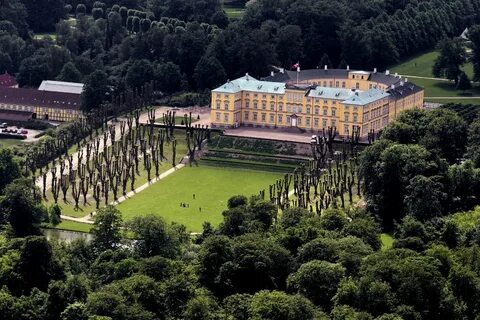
x=298, y=72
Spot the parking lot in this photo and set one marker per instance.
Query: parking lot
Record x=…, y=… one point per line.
x=15, y=131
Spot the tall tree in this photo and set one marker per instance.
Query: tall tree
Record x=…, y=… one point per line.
x=21, y=207
x=95, y=90
x=70, y=73
x=452, y=57
x=106, y=229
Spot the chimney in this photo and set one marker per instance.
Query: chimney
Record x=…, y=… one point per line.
x=272, y=73
x=374, y=70
x=406, y=80
x=246, y=75
x=401, y=83
x=325, y=67
x=282, y=70
x=387, y=72
x=393, y=87
x=348, y=68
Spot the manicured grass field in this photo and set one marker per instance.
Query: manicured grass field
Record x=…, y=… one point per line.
x=422, y=65
x=387, y=241
x=233, y=13
x=212, y=187
x=8, y=143
x=39, y=36
x=74, y=226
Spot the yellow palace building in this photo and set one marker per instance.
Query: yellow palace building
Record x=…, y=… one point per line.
x=315, y=99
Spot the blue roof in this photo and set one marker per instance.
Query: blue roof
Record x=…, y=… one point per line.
x=366, y=97
x=330, y=93
x=249, y=83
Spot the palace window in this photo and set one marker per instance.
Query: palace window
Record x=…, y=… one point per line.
x=325, y=111
x=334, y=123
x=272, y=106
x=324, y=83
x=317, y=111
x=307, y=122
x=247, y=104
x=324, y=123
x=264, y=115
x=264, y=96
x=271, y=118
x=355, y=117
x=255, y=116
x=280, y=119
x=299, y=121
x=226, y=105
x=331, y=84
x=337, y=84
x=308, y=110
x=255, y=105
x=345, y=129
x=357, y=85
x=218, y=104
x=217, y=116
x=334, y=111
x=245, y=115
x=280, y=107
x=264, y=106
x=343, y=84
x=346, y=115
x=225, y=117
x=315, y=122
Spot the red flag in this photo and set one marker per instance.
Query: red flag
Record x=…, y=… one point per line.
x=296, y=66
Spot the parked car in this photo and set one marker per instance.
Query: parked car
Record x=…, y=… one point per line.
x=23, y=131
x=3, y=125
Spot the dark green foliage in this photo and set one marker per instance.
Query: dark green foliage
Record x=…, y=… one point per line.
x=452, y=57
x=95, y=90
x=106, y=229
x=463, y=82
x=9, y=168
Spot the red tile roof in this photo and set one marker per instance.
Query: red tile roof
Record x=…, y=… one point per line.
x=7, y=80
x=38, y=98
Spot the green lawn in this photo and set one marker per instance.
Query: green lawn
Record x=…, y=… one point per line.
x=9, y=143
x=74, y=226
x=439, y=88
x=39, y=36
x=233, y=13
x=387, y=241
x=212, y=187
x=422, y=65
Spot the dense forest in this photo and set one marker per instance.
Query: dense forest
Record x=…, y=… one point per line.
x=263, y=264
x=189, y=45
